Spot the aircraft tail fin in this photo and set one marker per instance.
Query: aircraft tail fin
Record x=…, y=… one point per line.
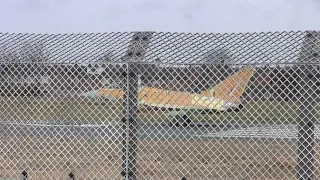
x=233, y=86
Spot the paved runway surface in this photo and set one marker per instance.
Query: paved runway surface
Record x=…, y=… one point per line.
x=154, y=131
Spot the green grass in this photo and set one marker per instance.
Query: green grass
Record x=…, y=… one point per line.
x=19, y=108
x=51, y=109
x=270, y=112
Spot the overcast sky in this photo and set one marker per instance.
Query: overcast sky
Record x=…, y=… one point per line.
x=202, y=16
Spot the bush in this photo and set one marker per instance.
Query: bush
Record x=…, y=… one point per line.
x=19, y=90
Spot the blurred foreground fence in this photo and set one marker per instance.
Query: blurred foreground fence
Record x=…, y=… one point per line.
x=147, y=105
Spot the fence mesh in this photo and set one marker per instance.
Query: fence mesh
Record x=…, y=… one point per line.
x=147, y=105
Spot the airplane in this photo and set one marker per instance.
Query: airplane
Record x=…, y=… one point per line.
x=223, y=97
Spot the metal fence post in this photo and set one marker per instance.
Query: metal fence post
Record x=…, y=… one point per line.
x=130, y=146
x=306, y=121
x=135, y=53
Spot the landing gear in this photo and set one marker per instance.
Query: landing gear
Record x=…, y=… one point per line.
x=237, y=109
x=180, y=119
x=240, y=107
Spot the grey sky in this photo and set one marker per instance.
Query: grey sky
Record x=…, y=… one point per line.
x=224, y=16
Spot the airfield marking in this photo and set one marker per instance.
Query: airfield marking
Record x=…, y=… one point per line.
x=274, y=131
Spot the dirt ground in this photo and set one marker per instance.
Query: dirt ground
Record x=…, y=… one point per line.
x=56, y=157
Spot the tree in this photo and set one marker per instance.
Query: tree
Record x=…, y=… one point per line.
x=106, y=56
x=8, y=54
x=218, y=55
x=33, y=52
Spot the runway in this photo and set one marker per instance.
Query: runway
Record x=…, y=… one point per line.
x=155, y=131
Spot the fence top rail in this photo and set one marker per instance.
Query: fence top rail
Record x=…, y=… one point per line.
x=176, y=64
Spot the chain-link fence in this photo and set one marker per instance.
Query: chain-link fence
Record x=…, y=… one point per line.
x=148, y=105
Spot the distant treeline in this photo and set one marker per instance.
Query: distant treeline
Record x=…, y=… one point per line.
x=280, y=82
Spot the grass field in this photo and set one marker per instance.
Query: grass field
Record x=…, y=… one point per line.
x=55, y=158
x=17, y=108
